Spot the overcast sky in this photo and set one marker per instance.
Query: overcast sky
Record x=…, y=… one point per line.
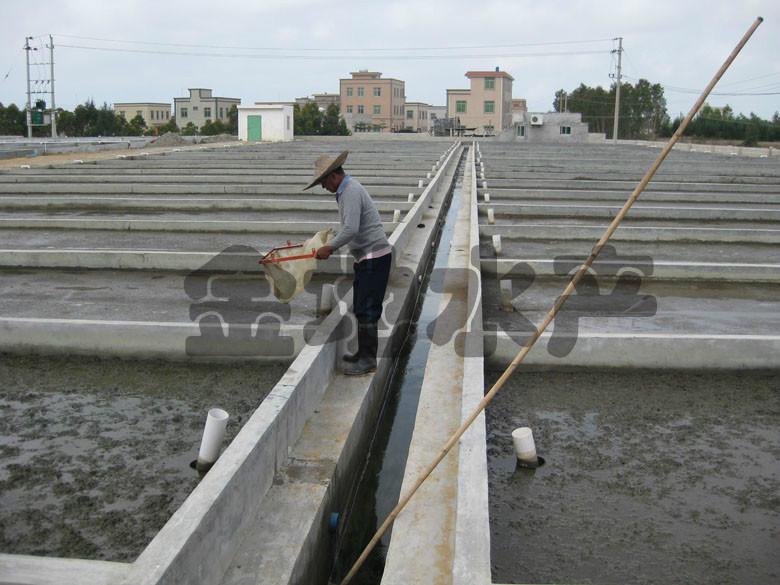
x=268, y=50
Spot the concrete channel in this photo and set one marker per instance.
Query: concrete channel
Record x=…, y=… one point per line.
x=654, y=399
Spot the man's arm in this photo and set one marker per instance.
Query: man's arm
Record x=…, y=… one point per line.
x=351, y=220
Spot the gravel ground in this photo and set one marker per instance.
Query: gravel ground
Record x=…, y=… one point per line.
x=94, y=454
x=650, y=477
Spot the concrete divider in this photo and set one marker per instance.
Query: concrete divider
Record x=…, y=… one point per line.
x=471, y=560
x=662, y=270
x=644, y=350
x=32, y=570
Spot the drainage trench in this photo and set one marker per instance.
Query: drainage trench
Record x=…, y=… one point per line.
x=378, y=489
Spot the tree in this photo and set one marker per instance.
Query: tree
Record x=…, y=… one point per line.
x=213, y=128
x=332, y=123
x=189, y=130
x=232, y=125
x=169, y=126
x=136, y=126
x=308, y=120
x=12, y=120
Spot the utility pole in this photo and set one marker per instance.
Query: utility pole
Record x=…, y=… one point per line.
x=619, y=52
x=27, y=50
x=53, y=107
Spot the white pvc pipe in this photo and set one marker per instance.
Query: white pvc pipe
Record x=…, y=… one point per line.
x=326, y=298
x=487, y=197
x=525, y=448
x=213, y=435
x=396, y=215
x=491, y=216
x=410, y=199
x=484, y=184
x=497, y=244
x=421, y=184
x=506, y=295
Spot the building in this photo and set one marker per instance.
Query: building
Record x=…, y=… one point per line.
x=372, y=104
x=416, y=117
x=560, y=127
x=154, y=114
x=519, y=105
x=202, y=106
x=323, y=100
x=266, y=122
x=486, y=107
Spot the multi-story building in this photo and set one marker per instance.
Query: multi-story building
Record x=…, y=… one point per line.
x=416, y=117
x=154, y=114
x=372, y=104
x=323, y=100
x=202, y=106
x=486, y=107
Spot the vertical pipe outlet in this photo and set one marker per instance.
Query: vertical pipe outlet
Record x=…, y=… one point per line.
x=525, y=448
x=213, y=435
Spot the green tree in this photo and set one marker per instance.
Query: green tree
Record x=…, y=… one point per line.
x=189, y=130
x=307, y=120
x=213, y=128
x=232, y=125
x=169, y=126
x=12, y=120
x=136, y=126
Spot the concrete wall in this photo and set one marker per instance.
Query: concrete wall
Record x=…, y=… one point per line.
x=277, y=125
x=550, y=129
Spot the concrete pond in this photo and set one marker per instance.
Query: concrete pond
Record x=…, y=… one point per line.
x=650, y=477
x=95, y=453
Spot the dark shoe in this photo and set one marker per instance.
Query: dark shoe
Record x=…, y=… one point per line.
x=351, y=358
x=365, y=365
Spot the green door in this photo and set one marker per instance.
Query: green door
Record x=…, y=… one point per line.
x=254, y=128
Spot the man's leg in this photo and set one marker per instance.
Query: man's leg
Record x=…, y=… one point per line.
x=369, y=288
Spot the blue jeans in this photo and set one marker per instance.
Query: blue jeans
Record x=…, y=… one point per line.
x=369, y=287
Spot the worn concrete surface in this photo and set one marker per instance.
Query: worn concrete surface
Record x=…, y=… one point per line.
x=650, y=477
x=96, y=453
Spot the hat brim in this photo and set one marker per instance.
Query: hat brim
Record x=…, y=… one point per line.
x=337, y=162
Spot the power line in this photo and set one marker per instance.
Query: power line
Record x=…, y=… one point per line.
x=677, y=89
x=330, y=49
x=331, y=57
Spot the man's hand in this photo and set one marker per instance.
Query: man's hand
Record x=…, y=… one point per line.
x=324, y=253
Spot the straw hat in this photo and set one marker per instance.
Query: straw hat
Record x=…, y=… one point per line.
x=325, y=165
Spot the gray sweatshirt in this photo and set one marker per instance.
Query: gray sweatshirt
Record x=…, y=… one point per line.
x=361, y=226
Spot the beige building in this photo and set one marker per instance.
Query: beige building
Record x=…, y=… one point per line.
x=372, y=104
x=154, y=114
x=323, y=100
x=202, y=106
x=486, y=107
x=416, y=117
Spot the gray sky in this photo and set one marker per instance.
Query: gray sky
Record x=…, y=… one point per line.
x=678, y=43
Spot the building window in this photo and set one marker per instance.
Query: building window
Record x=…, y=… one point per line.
x=194, y=108
x=490, y=107
x=349, y=91
x=207, y=112
x=460, y=106
x=409, y=114
x=122, y=113
x=138, y=113
x=183, y=112
x=377, y=110
x=566, y=130
x=221, y=113
x=288, y=122
x=521, y=131
x=377, y=91
x=361, y=93
x=490, y=83
x=361, y=110
x=349, y=109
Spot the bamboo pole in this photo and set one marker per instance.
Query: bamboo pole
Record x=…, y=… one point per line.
x=556, y=307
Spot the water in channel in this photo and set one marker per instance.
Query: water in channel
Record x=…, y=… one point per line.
x=379, y=487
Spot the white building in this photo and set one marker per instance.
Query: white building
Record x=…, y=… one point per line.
x=549, y=127
x=266, y=122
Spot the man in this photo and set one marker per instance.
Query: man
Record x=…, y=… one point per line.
x=362, y=232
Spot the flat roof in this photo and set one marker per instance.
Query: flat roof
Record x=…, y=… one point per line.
x=471, y=74
x=142, y=104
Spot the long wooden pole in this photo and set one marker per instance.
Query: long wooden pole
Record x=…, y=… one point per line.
x=556, y=307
